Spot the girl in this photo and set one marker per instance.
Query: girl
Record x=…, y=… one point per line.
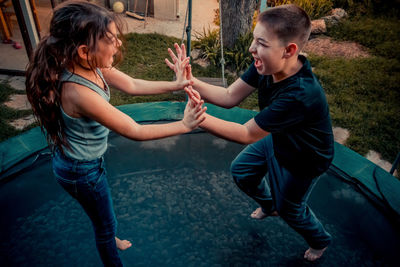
x=67, y=85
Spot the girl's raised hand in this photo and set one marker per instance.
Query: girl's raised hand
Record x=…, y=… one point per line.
x=182, y=51
x=180, y=65
x=194, y=114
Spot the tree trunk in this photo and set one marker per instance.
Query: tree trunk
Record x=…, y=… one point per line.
x=237, y=17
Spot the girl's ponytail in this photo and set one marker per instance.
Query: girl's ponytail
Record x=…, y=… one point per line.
x=44, y=91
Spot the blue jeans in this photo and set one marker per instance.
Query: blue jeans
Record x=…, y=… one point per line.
x=279, y=190
x=86, y=181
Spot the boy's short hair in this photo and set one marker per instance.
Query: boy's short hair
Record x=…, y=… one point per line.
x=289, y=22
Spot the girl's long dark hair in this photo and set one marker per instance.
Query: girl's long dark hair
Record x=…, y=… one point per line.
x=74, y=23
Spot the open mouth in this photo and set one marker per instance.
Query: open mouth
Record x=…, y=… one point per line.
x=257, y=62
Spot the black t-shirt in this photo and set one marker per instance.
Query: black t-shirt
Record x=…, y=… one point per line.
x=296, y=113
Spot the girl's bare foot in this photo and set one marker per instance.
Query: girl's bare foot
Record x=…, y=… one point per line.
x=122, y=244
x=313, y=254
x=259, y=214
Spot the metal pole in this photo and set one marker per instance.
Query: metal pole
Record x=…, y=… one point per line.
x=189, y=28
x=263, y=5
x=395, y=163
x=26, y=23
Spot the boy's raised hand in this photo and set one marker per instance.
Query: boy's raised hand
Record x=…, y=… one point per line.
x=193, y=95
x=194, y=114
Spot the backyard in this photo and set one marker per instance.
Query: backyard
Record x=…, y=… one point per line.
x=363, y=92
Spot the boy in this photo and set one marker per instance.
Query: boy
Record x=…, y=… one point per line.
x=291, y=138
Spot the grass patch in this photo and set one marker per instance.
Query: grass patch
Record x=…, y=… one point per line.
x=143, y=63
x=380, y=35
x=363, y=96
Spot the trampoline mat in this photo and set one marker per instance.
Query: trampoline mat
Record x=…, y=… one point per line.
x=175, y=200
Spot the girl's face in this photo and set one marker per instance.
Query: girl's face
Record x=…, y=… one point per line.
x=108, y=47
x=267, y=51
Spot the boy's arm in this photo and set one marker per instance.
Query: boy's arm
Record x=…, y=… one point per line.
x=247, y=133
x=129, y=85
x=223, y=97
x=220, y=96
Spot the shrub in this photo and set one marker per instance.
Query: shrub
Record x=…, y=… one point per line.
x=236, y=59
x=314, y=8
x=209, y=44
x=370, y=7
x=239, y=58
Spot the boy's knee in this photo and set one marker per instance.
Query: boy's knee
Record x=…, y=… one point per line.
x=233, y=166
x=236, y=168
x=236, y=172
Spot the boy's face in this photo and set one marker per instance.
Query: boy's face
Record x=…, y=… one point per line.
x=267, y=50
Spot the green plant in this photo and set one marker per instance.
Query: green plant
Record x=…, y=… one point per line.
x=239, y=58
x=209, y=44
x=314, y=8
x=236, y=59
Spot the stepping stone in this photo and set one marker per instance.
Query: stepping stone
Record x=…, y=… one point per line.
x=4, y=78
x=17, y=82
x=19, y=102
x=376, y=158
x=340, y=134
x=21, y=123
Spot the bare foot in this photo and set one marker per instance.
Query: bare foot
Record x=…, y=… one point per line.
x=314, y=254
x=259, y=214
x=122, y=244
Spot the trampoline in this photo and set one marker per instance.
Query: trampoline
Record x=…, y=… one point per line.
x=176, y=201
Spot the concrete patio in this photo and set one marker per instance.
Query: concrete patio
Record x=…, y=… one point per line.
x=202, y=17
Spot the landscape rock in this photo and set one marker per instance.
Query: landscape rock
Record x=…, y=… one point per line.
x=21, y=123
x=195, y=53
x=376, y=158
x=340, y=135
x=202, y=62
x=17, y=82
x=318, y=26
x=336, y=16
x=19, y=102
x=4, y=78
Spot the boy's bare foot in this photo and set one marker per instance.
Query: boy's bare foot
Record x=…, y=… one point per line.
x=312, y=254
x=259, y=214
x=122, y=244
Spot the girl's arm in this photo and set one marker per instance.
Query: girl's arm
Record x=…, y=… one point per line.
x=129, y=85
x=88, y=103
